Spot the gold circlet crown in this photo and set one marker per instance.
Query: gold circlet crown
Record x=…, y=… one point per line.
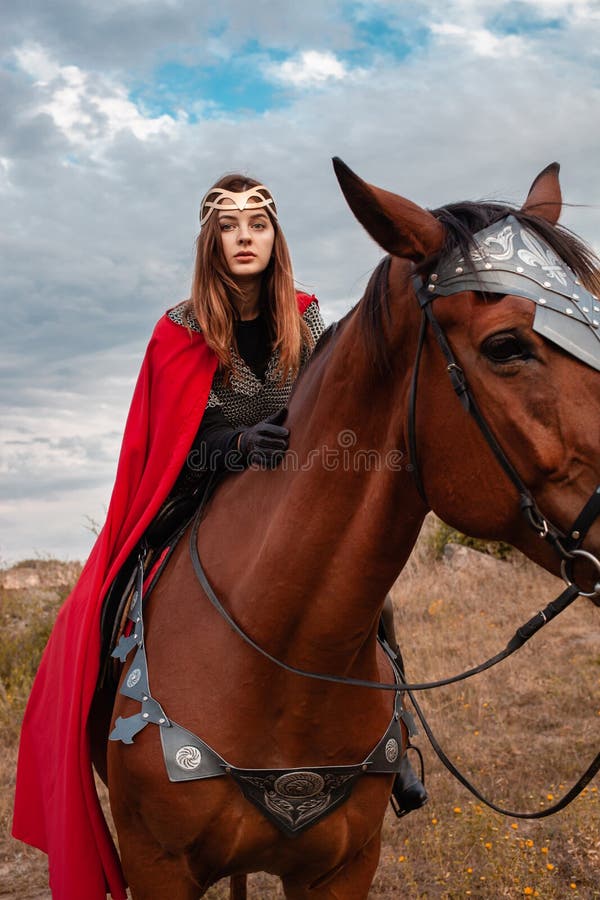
x=250, y=199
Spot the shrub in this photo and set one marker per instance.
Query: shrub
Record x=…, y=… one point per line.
x=26, y=619
x=443, y=534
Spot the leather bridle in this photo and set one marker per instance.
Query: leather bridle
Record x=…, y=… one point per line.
x=566, y=545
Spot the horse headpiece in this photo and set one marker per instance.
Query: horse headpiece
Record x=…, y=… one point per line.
x=510, y=259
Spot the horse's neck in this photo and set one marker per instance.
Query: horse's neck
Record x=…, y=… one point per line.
x=324, y=537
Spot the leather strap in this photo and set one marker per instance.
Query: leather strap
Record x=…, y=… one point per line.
x=577, y=788
x=523, y=634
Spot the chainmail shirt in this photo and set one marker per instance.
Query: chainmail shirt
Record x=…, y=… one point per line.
x=248, y=399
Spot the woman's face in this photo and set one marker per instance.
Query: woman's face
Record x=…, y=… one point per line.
x=247, y=237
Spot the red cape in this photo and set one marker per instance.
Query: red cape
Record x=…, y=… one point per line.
x=56, y=805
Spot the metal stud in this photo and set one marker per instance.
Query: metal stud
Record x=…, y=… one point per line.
x=542, y=300
x=364, y=767
x=595, y=323
x=575, y=535
x=596, y=308
x=585, y=308
x=161, y=721
x=547, y=284
x=459, y=270
x=520, y=270
x=569, y=312
x=144, y=699
x=431, y=288
x=577, y=281
x=488, y=265
x=145, y=715
x=575, y=296
x=433, y=277
x=228, y=769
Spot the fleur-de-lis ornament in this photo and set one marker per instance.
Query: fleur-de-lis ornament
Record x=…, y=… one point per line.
x=539, y=255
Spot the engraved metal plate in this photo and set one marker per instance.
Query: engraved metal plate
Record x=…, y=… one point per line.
x=299, y=784
x=511, y=259
x=188, y=757
x=391, y=750
x=134, y=677
x=295, y=800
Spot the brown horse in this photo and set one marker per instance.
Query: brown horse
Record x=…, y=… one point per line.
x=302, y=557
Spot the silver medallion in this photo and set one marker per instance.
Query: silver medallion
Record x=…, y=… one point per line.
x=299, y=784
x=134, y=677
x=188, y=757
x=391, y=750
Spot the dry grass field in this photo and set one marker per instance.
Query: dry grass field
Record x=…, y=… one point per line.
x=522, y=732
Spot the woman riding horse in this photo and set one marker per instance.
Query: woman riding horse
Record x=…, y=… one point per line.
x=298, y=560
x=210, y=397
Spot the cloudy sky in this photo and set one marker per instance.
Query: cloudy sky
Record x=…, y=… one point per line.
x=115, y=117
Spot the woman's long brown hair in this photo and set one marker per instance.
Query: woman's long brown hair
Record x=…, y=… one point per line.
x=213, y=286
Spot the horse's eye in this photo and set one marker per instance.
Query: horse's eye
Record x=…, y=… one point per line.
x=502, y=348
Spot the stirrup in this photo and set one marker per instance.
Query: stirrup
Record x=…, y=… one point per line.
x=402, y=806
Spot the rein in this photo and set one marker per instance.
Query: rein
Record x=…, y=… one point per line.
x=567, y=546
x=523, y=634
x=520, y=637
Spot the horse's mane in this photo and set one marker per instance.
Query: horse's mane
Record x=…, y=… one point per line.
x=461, y=222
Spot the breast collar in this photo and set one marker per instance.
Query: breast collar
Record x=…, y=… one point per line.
x=292, y=798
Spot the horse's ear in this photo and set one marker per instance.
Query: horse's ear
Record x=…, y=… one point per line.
x=544, y=198
x=399, y=226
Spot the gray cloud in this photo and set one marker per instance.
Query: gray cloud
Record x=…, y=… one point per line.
x=99, y=221
x=133, y=36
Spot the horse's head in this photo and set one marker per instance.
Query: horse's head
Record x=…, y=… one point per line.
x=509, y=302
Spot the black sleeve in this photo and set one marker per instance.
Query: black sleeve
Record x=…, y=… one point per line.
x=215, y=446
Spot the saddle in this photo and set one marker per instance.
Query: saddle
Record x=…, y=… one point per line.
x=160, y=539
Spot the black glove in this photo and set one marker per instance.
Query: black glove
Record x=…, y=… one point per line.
x=265, y=443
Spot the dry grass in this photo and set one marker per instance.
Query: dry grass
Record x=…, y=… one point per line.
x=523, y=732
